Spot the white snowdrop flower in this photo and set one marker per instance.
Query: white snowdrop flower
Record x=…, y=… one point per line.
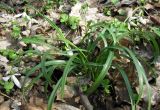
x=14, y=79
x=70, y=53
x=18, y=15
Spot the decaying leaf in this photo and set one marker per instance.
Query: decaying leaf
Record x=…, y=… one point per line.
x=38, y=104
x=69, y=92
x=155, y=20
x=5, y=105
x=4, y=44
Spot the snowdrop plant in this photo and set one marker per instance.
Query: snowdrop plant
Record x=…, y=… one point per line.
x=13, y=77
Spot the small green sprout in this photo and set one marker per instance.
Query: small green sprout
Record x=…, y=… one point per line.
x=105, y=84
x=16, y=31
x=7, y=85
x=9, y=53
x=71, y=21
x=107, y=11
x=64, y=18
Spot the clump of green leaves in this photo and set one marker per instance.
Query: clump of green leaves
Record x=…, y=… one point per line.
x=7, y=85
x=9, y=53
x=16, y=30
x=109, y=35
x=71, y=21
x=107, y=11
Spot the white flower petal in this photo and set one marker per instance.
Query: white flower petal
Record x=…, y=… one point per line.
x=18, y=15
x=16, y=82
x=17, y=74
x=6, y=78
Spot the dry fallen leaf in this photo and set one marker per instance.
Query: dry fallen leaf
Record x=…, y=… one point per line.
x=64, y=107
x=148, y=6
x=3, y=59
x=37, y=103
x=69, y=92
x=155, y=97
x=5, y=105
x=4, y=44
x=157, y=5
x=155, y=19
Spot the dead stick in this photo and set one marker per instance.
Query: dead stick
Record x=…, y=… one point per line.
x=84, y=99
x=6, y=96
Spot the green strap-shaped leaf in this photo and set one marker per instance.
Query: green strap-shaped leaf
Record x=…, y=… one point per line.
x=102, y=74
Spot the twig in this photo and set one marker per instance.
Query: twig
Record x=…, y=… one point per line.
x=84, y=99
x=6, y=96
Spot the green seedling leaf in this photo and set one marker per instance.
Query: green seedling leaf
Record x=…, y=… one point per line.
x=8, y=86
x=5, y=52
x=13, y=56
x=16, y=31
x=64, y=18
x=1, y=81
x=73, y=22
x=9, y=53
x=102, y=74
x=105, y=84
